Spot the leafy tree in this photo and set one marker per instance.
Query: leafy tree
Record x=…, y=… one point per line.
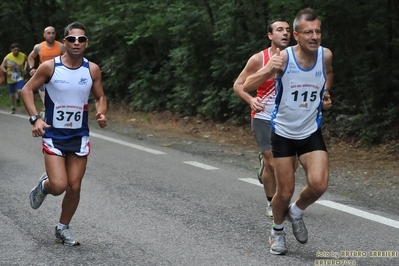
x=184, y=55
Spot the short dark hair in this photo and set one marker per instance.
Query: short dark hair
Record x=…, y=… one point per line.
x=270, y=27
x=14, y=45
x=307, y=14
x=75, y=25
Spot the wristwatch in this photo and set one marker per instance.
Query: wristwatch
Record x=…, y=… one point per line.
x=33, y=119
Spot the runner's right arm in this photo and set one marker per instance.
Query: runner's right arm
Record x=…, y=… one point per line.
x=31, y=59
x=252, y=66
x=3, y=66
x=274, y=65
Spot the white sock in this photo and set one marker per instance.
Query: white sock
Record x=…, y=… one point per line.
x=61, y=226
x=278, y=227
x=43, y=189
x=295, y=212
x=269, y=203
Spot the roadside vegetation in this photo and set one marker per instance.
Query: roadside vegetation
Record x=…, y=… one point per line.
x=183, y=55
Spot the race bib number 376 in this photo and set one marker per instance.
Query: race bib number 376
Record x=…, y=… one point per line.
x=67, y=116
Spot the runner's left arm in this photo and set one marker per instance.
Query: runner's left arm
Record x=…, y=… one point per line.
x=98, y=93
x=327, y=102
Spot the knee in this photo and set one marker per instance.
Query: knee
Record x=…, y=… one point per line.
x=268, y=171
x=268, y=162
x=319, y=187
x=73, y=190
x=269, y=165
x=57, y=188
x=285, y=194
x=322, y=188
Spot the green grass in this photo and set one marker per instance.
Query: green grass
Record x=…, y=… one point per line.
x=5, y=98
x=146, y=117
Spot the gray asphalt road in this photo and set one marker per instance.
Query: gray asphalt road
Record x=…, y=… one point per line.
x=144, y=204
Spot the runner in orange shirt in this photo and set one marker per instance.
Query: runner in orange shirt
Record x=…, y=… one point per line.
x=46, y=50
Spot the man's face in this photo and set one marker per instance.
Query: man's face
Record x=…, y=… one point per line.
x=15, y=51
x=309, y=35
x=75, y=42
x=281, y=34
x=49, y=35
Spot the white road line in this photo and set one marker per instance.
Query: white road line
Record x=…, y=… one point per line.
x=359, y=213
x=121, y=142
x=201, y=165
x=327, y=203
x=343, y=208
x=26, y=116
x=134, y=146
x=252, y=181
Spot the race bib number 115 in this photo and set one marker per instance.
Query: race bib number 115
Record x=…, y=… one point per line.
x=303, y=96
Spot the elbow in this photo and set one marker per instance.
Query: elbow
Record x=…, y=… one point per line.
x=245, y=88
x=101, y=100
x=248, y=85
x=236, y=87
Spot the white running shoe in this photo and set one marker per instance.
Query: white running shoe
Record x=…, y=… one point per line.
x=36, y=195
x=298, y=227
x=269, y=212
x=65, y=236
x=277, y=242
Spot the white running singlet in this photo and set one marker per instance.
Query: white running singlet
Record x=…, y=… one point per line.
x=66, y=101
x=299, y=100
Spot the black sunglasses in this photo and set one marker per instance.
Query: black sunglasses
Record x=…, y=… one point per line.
x=73, y=39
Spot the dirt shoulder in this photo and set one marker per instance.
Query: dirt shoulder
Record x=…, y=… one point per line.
x=368, y=176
